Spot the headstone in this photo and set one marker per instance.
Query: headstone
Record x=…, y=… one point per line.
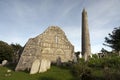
x=35, y=67
x=43, y=66
x=48, y=64
x=4, y=62
x=58, y=61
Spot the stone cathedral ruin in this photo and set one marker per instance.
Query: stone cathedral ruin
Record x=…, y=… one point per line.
x=51, y=46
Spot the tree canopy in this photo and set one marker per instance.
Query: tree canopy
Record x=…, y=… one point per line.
x=16, y=47
x=113, y=39
x=9, y=52
x=6, y=52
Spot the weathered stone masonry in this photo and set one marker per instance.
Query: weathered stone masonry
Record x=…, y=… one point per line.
x=50, y=45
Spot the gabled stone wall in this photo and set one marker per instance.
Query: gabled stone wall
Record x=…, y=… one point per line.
x=50, y=45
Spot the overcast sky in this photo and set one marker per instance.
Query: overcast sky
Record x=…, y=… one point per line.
x=24, y=19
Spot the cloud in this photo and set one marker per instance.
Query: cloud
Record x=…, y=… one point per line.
x=74, y=36
x=102, y=17
x=26, y=19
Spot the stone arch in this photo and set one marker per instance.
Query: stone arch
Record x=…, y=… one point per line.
x=59, y=55
x=59, y=51
x=47, y=50
x=35, y=66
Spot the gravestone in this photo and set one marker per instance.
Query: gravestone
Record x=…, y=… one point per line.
x=48, y=64
x=58, y=61
x=44, y=65
x=35, y=67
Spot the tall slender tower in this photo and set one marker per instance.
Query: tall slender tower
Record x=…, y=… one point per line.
x=86, y=48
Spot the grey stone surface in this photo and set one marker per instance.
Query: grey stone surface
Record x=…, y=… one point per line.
x=48, y=64
x=44, y=66
x=4, y=62
x=49, y=45
x=40, y=66
x=35, y=67
x=86, y=47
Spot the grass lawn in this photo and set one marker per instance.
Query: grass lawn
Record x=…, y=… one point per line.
x=55, y=73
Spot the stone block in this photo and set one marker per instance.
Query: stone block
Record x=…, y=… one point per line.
x=35, y=67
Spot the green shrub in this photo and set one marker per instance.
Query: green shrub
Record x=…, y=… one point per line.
x=6, y=52
x=81, y=71
x=107, y=68
x=95, y=63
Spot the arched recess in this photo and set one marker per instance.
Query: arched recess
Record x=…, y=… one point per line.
x=59, y=51
x=47, y=50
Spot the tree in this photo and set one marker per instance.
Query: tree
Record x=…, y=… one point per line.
x=104, y=51
x=113, y=40
x=17, y=48
x=6, y=51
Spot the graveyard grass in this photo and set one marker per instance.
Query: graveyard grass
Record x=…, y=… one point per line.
x=55, y=73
